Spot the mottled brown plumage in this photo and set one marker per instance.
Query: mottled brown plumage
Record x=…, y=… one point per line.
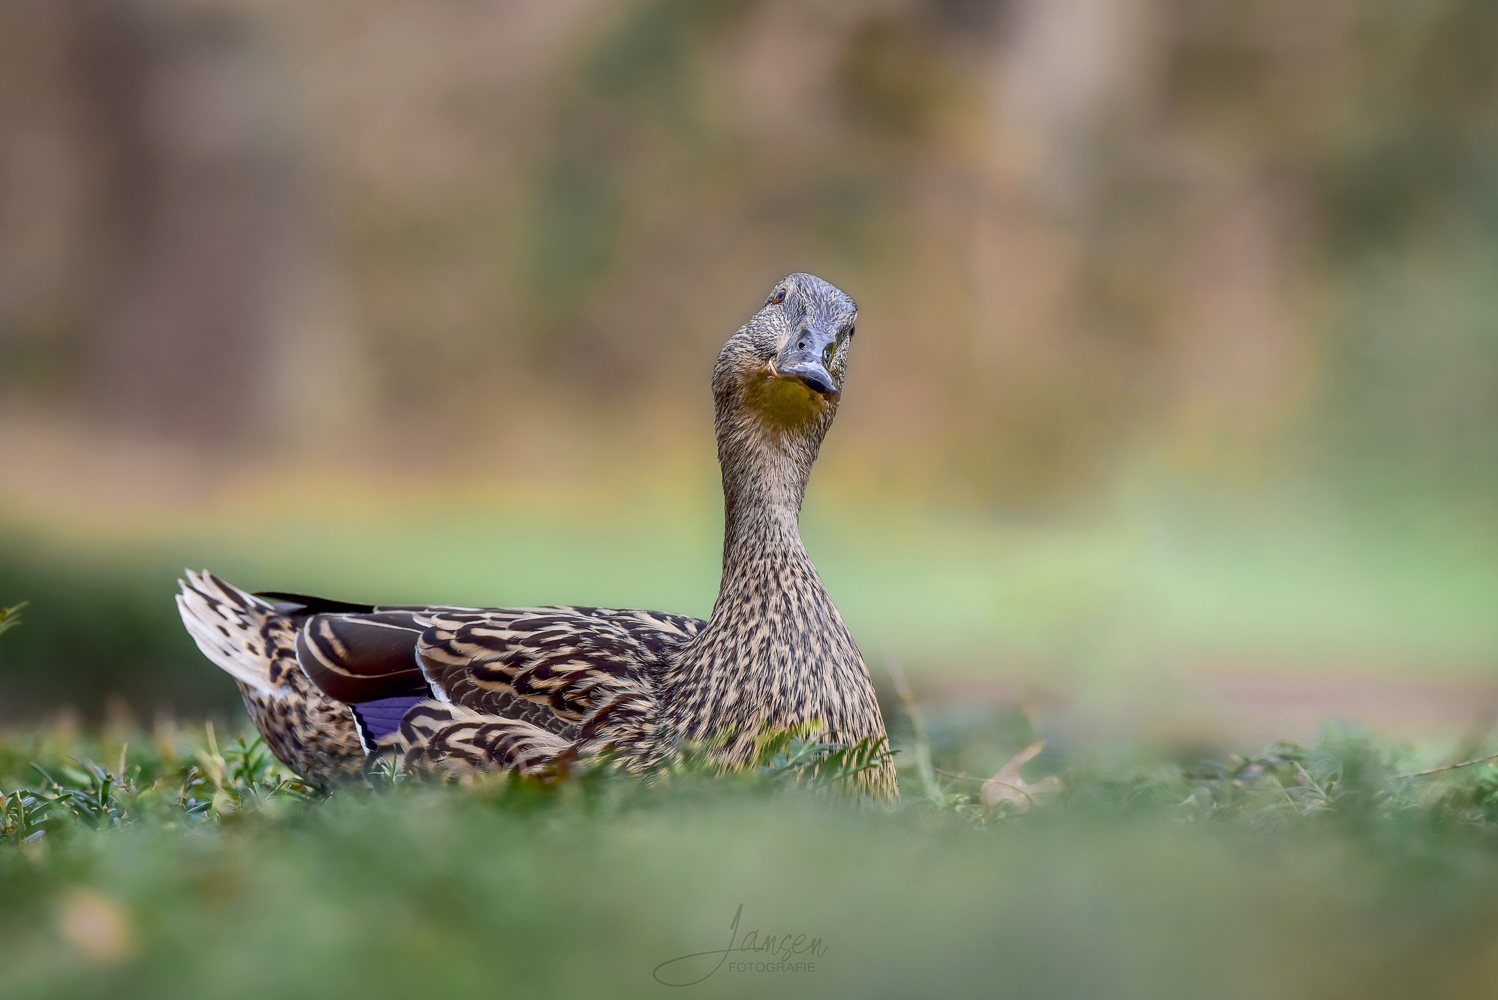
x=255, y=642
x=466, y=690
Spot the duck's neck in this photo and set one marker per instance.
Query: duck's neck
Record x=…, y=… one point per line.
x=764, y=483
x=775, y=650
x=765, y=472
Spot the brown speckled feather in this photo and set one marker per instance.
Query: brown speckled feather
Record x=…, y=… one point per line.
x=585, y=676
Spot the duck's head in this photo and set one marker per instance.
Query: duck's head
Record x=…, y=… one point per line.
x=785, y=366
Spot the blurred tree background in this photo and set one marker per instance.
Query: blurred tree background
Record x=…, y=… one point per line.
x=262, y=261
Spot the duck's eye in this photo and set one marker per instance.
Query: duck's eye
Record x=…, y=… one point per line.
x=777, y=297
x=851, y=330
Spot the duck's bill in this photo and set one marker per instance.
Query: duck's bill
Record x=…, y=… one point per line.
x=802, y=362
x=813, y=376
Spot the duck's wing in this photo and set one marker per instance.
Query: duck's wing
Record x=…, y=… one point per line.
x=493, y=689
x=254, y=640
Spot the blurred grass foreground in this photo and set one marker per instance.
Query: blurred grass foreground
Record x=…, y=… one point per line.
x=1168, y=436
x=186, y=866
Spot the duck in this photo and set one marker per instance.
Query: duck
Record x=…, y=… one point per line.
x=461, y=692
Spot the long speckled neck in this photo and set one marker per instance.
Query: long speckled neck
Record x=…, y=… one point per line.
x=775, y=650
x=764, y=482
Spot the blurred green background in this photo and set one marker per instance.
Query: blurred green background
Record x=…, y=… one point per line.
x=1170, y=418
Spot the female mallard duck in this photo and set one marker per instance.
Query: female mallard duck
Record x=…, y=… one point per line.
x=465, y=690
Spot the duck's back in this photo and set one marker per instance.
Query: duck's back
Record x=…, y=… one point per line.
x=463, y=690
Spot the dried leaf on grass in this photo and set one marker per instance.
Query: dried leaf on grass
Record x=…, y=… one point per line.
x=1008, y=786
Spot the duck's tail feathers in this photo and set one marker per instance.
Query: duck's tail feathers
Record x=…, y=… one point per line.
x=237, y=631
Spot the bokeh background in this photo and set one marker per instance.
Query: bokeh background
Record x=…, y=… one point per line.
x=1171, y=418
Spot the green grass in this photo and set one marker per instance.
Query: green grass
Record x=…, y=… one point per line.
x=177, y=863
x=10, y=617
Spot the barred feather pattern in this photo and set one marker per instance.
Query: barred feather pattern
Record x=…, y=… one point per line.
x=446, y=739
x=309, y=732
x=524, y=684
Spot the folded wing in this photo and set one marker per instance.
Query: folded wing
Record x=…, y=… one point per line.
x=468, y=690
